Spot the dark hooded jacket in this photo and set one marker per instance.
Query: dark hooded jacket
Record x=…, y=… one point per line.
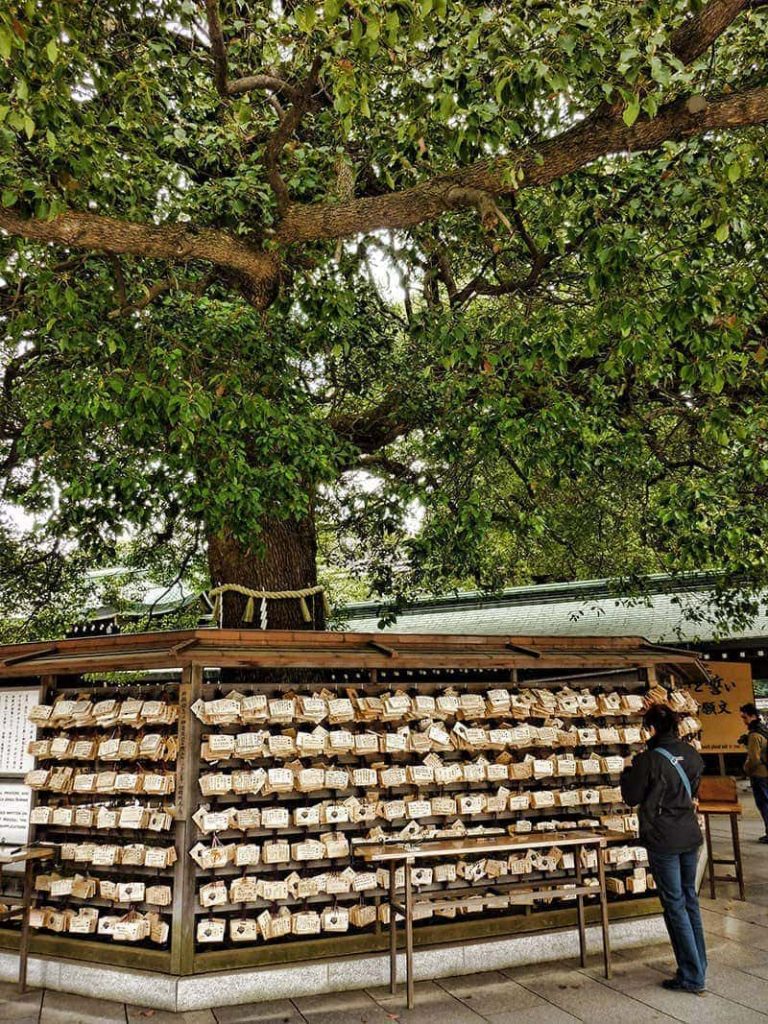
x=668, y=821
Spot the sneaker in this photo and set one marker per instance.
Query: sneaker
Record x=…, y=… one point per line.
x=763, y=839
x=675, y=985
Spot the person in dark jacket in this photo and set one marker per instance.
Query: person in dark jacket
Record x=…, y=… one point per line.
x=756, y=765
x=663, y=782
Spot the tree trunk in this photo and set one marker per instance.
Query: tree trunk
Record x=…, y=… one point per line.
x=285, y=558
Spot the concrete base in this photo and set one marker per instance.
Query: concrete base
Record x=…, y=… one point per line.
x=228, y=988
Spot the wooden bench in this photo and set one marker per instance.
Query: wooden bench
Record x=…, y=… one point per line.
x=718, y=796
x=405, y=855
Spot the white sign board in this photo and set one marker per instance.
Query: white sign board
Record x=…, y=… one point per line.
x=16, y=731
x=15, y=800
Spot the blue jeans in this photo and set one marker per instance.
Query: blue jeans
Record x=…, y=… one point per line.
x=760, y=793
x=675, y=876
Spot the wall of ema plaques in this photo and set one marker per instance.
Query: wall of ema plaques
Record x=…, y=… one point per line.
x=104, y=783
x=291, y=779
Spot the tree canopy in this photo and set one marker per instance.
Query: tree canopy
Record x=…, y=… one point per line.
x=477, y=289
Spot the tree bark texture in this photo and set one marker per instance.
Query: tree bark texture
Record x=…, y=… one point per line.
x=285, y=558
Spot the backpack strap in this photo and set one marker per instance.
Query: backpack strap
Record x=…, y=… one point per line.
x=678, y=768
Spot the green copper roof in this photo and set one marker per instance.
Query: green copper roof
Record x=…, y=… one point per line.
x=672, y=611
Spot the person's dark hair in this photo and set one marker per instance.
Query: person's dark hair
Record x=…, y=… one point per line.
x=662, y=719
x=750, y=709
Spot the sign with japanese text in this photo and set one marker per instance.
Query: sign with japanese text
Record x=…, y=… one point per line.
x=720, y=700
x=16, y=731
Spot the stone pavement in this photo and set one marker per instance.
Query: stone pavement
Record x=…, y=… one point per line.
x=562, y=993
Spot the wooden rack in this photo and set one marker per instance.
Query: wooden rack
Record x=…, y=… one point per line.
x=206, y=663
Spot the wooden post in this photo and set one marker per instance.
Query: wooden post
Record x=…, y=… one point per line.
x=408, y=932
x=737, y=855
x=710, y=857
x=604, y=913
x=187, y=770
x=580, y=907
x=392, y=929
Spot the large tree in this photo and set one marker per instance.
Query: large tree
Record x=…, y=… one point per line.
x=493, y=255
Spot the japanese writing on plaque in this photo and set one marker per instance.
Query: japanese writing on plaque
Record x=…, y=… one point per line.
x=720, y=696
x=16, y=731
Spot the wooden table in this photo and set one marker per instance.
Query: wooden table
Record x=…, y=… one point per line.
x=26, y=855
x=394, y=855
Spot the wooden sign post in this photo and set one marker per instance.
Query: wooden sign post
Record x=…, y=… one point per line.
x=720, y=699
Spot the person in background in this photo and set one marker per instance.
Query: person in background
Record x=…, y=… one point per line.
x=662, y=782
x=756, y=765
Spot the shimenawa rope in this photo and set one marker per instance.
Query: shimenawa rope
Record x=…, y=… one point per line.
x=216, y=594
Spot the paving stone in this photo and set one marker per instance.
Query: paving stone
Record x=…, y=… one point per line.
x=434, y=1005
x=544, y=1014
x=142, y=1015
x=274, y=1011
x=731, y=928
x=490, y=993
x=16, y=1007
x=66, y=1008
x=423, y=990
x=582, y=996
x=644, y=985
x=748, y=911
x=738, y=986
x=342, y=1008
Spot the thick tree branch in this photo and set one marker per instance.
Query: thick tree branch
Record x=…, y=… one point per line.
x=582, y=144
x=272, y=83
x=250, y=83
x=374, y=428
x=218, y=48
x=256, y=274
x=696, y=35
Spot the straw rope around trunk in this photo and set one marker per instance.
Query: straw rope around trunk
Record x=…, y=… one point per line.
x=216, y=595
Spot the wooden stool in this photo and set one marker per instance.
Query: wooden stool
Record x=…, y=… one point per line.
x=718, y=795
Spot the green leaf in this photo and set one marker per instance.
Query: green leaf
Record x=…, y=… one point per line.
x=52, y=50
x=9, y=197
x=631, y=111
x=332, y=10
x=722, y=232
x=29, y=126
x=734, y=171
x=305, y=18
x=6, y=42
x=374, y=28
x=446, y=105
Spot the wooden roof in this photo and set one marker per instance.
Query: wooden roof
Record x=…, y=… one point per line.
x=233, y=648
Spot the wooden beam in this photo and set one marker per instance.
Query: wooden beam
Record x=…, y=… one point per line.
x=30, y=656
